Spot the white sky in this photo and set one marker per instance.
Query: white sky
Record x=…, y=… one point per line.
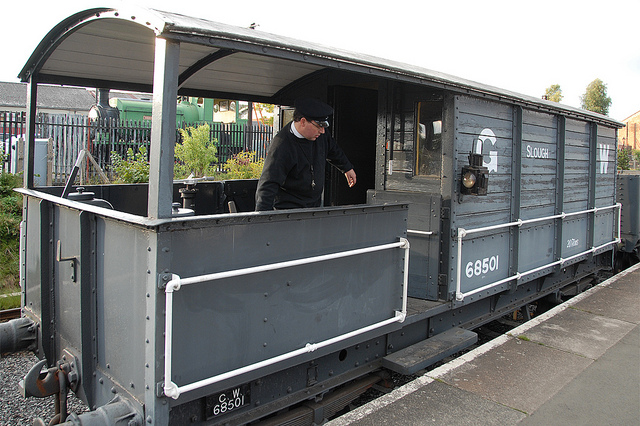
x=522, y=46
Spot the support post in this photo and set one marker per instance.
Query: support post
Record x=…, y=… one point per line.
x=516, y=195
x=248, y=137
x=30, y=142
x=561, y=139
x=163, y=131
x=593, y=172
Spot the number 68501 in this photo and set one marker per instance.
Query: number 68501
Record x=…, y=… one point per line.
x=482, y=266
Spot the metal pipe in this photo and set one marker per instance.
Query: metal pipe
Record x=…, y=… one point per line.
x=178, y=282
x=119, y=411
x=405, y=285
x=17, y=335
x=459, y=295
x=173, y=390
x=170, y=388
x=415, y=232
x=464, y=232
x=521, y=222
x=309, y=347
x=74, y=173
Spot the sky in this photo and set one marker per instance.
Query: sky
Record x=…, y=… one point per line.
x=522, y=46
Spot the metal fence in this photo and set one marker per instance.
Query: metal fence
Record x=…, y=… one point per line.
x=66, y=135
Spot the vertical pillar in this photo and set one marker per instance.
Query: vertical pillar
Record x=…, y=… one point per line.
x=163, y=131
x=593, y=172
x=516, y=193
x=30, y=142
x=381, y=133
x=248, y=140
x=560, y=169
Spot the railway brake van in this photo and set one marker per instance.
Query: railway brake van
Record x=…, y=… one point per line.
x=471, y=202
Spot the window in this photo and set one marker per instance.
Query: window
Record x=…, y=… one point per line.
x=414, y=150
x=429, y=139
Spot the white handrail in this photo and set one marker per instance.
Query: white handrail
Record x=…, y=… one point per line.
x=464, y=232
x=172, y=390
x=416, y=232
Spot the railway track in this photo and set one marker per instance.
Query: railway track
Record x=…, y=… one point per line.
x=9, y=314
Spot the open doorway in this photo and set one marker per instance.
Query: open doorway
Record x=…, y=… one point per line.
x=355, y=129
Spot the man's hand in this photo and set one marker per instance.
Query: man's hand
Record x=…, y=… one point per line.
x=351, y=178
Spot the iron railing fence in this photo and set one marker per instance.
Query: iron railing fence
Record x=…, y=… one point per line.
x=68, y=134
x=12, y=125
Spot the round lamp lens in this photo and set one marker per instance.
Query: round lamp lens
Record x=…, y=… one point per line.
x=468, y=180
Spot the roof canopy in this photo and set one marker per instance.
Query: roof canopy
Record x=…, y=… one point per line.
x=150, y=51
x=115, y=48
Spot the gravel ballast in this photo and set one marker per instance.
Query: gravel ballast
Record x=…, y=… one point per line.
x=15, y=410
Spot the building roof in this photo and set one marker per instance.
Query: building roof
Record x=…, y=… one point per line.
x=49, y=97
x=631, y=117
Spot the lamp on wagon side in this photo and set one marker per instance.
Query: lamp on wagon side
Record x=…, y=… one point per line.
x=475, y=177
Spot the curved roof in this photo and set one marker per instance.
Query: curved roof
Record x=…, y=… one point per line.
x=115, y=48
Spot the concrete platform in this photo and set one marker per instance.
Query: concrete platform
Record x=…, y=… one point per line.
x=578, y=363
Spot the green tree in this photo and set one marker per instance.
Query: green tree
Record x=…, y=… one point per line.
x=553, y=93
x=595, y=98
x=270, y=109
x=197, y=151
x=624, y=159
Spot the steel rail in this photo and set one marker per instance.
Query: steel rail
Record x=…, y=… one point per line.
x=9, y=314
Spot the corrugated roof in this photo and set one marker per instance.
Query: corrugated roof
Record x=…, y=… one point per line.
x=49, y=97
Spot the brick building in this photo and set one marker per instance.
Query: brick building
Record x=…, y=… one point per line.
x=629, y=136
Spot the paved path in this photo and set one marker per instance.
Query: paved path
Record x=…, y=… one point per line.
x=577, y=364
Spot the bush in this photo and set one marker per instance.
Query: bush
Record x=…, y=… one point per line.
x=10, y=217
x=196, y=152
x=8, y=182
x=624, y=159
x=243, y=166
x=133, y=169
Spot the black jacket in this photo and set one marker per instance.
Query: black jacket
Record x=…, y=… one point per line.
x=288, y=181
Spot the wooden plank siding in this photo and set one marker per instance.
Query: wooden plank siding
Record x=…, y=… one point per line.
x=553, y=172
x=472, y=116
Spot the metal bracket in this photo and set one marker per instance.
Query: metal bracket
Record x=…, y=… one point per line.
x=73, y=369
x=73, y=260
x=160, y=389
x=163, y=279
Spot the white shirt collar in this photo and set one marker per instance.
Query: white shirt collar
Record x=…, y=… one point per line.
x=295, y=131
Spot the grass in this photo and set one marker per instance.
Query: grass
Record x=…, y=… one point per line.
x=9, y=302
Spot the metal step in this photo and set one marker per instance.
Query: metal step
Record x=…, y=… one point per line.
x=427, y=352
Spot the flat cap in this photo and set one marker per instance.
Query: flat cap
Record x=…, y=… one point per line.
x=313, y=109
